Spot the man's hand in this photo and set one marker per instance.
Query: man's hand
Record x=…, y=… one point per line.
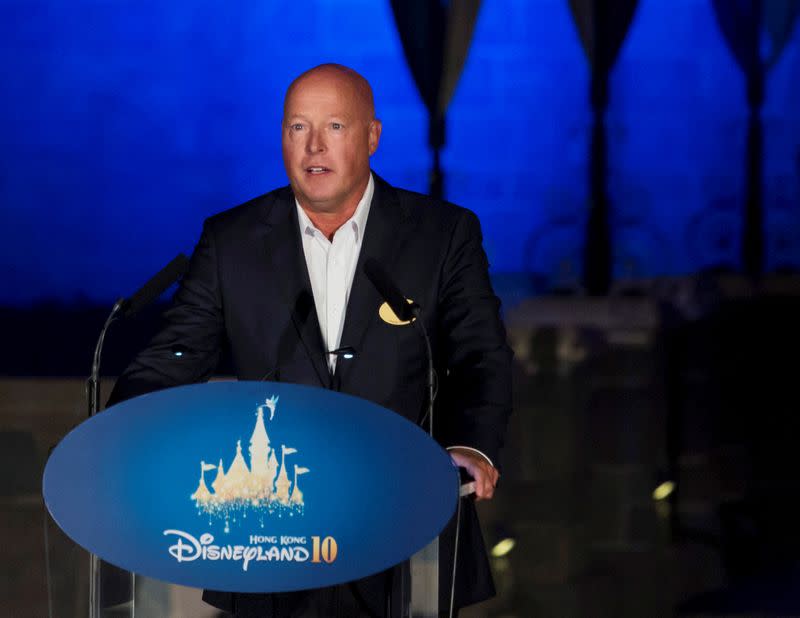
x=484, y=473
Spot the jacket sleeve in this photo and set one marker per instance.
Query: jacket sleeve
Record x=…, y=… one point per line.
x=476, y=388
x=187, y=348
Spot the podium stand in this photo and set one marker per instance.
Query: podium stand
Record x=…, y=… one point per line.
x=121, y=594
x=112, y=591
x=201, y=486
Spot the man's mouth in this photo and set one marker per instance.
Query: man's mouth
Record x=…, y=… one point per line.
x=317, y=169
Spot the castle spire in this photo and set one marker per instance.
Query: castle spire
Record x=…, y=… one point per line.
x=219, y=481
x=259, y=446
x=237, y=478
x=297, y=495
x=202, y=494
x=283, y=482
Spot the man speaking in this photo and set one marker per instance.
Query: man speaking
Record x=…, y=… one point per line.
x=280, y=280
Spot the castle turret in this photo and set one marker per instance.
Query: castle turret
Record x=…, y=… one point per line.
x=237, y=479
x=259, y=446
x=219, y=481
x=272, y=467
x=202, y=494
x=297, y=495
x=283, y=482
x=260, y=478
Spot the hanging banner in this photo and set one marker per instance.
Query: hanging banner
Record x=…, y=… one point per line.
x=250, y=486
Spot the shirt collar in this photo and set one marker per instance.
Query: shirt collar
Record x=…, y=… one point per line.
x=358, y=221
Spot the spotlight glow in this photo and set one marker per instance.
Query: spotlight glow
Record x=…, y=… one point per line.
x=663, y=491
x=503, y=548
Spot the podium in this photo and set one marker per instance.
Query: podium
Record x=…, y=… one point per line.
x=252, y=487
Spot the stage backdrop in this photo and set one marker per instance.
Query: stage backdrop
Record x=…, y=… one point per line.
x=125, y=123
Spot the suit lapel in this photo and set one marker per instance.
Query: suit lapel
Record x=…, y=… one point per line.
x=285, y=256
x=386, y=225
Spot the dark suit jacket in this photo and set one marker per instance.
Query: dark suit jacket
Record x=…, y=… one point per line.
x=248, y=288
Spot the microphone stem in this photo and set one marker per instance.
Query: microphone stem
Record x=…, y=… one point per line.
x=93, y=383
x=93, y=403
x=431, y=375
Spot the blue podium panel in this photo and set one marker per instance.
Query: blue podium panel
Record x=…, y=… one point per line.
x=250, y=486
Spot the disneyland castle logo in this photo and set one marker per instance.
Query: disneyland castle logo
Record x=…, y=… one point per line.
x=263, y=488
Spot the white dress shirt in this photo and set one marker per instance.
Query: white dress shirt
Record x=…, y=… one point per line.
x=331, y=266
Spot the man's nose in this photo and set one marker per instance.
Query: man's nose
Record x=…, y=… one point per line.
x=316, y=141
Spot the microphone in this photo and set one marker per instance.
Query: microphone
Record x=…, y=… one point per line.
x=407, y=312
x=347, y=352
x=156, y=286
x=127, y=307
x=396, y=300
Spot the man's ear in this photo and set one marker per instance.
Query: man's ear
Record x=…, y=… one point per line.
x=375, y=128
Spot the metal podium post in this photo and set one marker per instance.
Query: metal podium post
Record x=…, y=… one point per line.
x=424, y=597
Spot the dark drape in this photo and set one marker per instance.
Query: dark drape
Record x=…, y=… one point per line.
x=756, y=31
x=436, y=36
x=602, y=26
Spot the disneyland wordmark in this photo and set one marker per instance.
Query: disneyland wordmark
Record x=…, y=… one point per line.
x=188, y=548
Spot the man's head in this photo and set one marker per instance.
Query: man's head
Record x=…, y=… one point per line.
x=329, y=133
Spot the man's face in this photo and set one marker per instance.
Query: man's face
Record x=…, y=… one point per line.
x=328, y=137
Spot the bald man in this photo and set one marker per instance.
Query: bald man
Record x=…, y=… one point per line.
x=279, y=279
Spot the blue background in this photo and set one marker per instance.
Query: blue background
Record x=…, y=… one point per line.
x=125, y=124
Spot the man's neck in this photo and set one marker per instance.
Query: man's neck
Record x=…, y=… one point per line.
x=330, y=220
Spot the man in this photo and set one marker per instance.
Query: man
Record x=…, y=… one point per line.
x=280, y=281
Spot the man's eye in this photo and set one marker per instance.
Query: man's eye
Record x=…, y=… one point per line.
x=336, y=126
x=296, y=126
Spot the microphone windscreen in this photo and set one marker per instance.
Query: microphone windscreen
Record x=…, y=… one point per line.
x=388, y=290
x=156, y=286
